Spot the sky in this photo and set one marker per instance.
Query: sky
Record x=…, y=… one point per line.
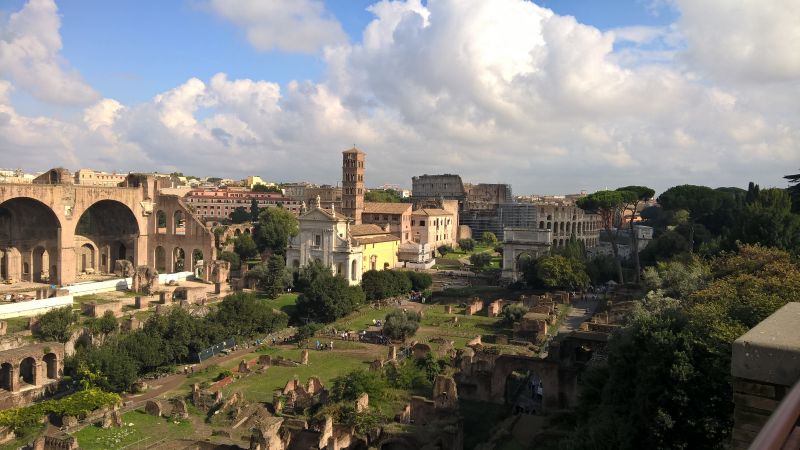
x=552, y=96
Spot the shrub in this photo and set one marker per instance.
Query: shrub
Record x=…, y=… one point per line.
x=513, y=313
x=56, y=324
x=489, y=238
x=401, y=324
x=445, y=249
x=466, y=244
x=350, y=386
x=480, y=260
x=223, y=374
x=420, y=281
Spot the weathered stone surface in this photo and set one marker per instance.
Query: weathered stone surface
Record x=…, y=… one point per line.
x=445, y=393
x=69, y=421
x=153, y=407
x=304, y=357
x=179, y=410
x=362, y=402
x=770, y=351
x=145, y=280
x=123, y=268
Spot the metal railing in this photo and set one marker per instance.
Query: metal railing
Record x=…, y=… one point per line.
x=777, y=432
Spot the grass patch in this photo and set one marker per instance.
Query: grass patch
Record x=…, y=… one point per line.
x=99, y=298
x=23, y=439
x=146, y=430
x=323, y=364
x=17, y=324
x=284, y=302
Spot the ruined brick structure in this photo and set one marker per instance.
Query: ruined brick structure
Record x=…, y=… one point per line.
x=53, y=230
x=27, y=373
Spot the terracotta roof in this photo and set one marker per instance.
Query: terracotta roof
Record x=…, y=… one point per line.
x=353, y=150
x=365, y=229
x=327, y=212
x=431, y=212
x=386, y=208
x=376, y=239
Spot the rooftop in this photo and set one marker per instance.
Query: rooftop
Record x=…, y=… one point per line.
x=386, y=208
x=431, y=212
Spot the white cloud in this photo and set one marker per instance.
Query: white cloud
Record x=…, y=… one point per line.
x=29, y=55
x=497, y=90
x=302, y=26
x=752, y=40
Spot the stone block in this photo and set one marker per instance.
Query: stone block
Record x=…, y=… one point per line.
x=304, y=357
x=362, y=402
x=153, y=407
x=770, y=351
x=755, y=402
x=753, y=388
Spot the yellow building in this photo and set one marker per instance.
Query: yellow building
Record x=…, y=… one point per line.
x=379, y=249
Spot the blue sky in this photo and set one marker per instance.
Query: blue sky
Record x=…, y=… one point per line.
x=565, y=96
x=131, y=50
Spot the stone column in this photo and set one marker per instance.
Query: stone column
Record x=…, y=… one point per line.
x=38, y=373
x=13, y=375
x=66, y=258
x=393, y=353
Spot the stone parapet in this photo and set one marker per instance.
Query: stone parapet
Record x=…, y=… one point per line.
x=765, y=364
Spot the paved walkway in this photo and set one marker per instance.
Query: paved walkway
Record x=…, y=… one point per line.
x=581, y=311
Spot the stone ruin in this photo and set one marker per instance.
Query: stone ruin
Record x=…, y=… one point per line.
x=295, y=396
x=3, y=327
x=123, y=268
x=219, y=271
x=174, y=408
x=111, y=419
x=532, y=328
x=145, y=280
x=474, y=307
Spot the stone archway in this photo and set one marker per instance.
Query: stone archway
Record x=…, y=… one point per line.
x=26, y=224
x=6, y=376
x=178, y=260
x=179, y=223
x=160, y=259
x=106, y=232
x=547, y=371
x=27, y=370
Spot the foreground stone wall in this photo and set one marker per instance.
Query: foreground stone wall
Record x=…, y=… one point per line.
x=765, y=365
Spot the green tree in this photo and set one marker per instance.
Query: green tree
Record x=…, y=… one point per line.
x=350, y=386
x=601, y=269
x=104, y=325
x=715, y=209
x=245, y=247
x=665, y=247
x=218, y=233
x=610, y=206
x=794, y=190
x=254, y=209
x=56, y=325
x=278, y=278
x=559, y=272
x=307, y=274
x=768, y=220
x=275, y=227
x=232, y=258
x=573, y=248
x=328, y=298
x=489, y=238
x=383, y=196
x=467, y=244
x=419, y=280
x=240, y=215
x=245, y=315
x=637, y=196
x=480, y=260
x=401, y=324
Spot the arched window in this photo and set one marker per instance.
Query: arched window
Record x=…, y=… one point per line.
x=161, y=259
x=541, y=225
x=180, y=223
x=178, y=259
x=161, y=222
x=353, y=267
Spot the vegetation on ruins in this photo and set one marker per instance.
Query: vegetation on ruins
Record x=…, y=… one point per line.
x=381, y=284
x=667, y=380
x=513, y=312
x=400, y=324
x=79, y=405
x=172, y=338
x=56, y=324
x=636, y=196
x=274, y=228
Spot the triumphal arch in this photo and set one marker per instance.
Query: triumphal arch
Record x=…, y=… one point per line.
x=55, y=231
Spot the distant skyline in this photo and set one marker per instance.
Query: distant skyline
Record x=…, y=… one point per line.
x=552, y=97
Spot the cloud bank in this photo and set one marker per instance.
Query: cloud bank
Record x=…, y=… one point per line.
x=496, y=90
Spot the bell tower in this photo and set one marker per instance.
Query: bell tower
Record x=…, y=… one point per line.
x=353, y=183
